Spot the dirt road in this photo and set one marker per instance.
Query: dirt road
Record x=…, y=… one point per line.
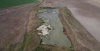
x=13, y=22
x=87, y=12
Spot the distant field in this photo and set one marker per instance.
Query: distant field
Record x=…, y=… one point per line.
x=11, y=3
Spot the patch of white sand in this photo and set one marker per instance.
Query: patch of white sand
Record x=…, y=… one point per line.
x=44, y=30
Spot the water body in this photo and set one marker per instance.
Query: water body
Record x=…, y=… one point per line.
x=87, y=12
x=56, y=36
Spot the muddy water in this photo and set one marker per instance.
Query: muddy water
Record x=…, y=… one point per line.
x=56, y=36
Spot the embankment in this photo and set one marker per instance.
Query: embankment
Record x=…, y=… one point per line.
x=32, y=39
x=81, y=39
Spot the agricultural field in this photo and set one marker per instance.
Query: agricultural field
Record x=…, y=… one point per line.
x=11, y=3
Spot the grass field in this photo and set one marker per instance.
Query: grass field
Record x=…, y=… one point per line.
x=11, y=3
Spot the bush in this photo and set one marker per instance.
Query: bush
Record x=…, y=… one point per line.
x=72, y=50
x=41, y=48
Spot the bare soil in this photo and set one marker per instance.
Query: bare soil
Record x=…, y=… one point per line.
x=85, y=11
x=81, y=39
x=13, y=23
x=33, y=39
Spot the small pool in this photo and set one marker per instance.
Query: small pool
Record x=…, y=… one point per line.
x=56, y=35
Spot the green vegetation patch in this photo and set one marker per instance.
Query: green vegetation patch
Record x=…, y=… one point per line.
x=41, y=48
x=24, y=42
x=11, y=3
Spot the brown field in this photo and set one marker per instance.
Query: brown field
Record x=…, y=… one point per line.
x=81, y=39
x=13, y=23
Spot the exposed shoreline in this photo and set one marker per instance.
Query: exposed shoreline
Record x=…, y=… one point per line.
x=79, y=38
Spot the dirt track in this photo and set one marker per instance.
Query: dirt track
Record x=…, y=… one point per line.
x=87, y=12
x=13, y=24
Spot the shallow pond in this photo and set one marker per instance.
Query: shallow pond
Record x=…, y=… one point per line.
x=56, y=36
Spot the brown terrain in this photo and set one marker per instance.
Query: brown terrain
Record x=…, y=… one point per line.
x=14, y=23
x=81, y=39
x=18, y=26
